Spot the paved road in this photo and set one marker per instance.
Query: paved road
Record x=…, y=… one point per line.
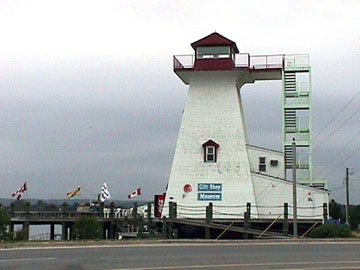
x=314, y=256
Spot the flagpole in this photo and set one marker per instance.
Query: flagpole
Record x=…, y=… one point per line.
x=26, y=192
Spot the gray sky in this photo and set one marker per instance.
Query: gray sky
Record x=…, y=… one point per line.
x=87, y=91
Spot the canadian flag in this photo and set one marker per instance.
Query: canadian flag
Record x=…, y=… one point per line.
x=18, y=194
x=135, y=193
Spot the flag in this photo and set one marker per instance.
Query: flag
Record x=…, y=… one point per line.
x=104, y=193
x=135, y=193
x=19, y=192
x=74, y=193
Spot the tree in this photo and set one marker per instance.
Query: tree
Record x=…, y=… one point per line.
x=335, y=210
x=87, y=228
x=354, y=213
x=4, y=223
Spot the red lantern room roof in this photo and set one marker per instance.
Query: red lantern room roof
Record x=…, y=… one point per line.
x=215, y=39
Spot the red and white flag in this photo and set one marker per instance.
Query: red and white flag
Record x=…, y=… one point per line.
x=17, y=194
x=135, y=193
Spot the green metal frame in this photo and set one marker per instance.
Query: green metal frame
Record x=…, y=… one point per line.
x=291, y=91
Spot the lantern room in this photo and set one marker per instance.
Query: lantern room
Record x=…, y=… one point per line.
x=214, y=52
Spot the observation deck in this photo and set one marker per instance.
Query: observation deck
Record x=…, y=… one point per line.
x=261, y=67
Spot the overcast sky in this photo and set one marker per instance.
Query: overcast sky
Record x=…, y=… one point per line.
x=87, y=91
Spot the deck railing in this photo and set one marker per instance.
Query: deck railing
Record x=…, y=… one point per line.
x=296, y=60
x=266, y=61
x=245, y=60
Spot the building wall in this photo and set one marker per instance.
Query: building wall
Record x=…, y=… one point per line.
x=255, y=153
x=272, y=193
x=212, y=112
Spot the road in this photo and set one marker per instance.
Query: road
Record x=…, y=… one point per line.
x=253, y=256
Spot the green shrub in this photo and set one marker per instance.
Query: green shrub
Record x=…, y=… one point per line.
x=4, y=223
x=331, y=231
x=87, y=228
x=20, y=235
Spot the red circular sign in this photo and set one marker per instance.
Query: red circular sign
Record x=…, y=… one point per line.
x=187, y=188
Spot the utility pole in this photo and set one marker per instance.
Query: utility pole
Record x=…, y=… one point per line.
x=294, y=188
x=347, y=197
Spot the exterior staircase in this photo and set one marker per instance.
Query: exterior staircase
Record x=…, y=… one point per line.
x=297, y=103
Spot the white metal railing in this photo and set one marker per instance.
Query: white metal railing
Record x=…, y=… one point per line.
x=242, y=60
x=266, y=61
x=251, y=61
x=302, y=87
x=183, y=61
x=296, y=60
x=303, y=137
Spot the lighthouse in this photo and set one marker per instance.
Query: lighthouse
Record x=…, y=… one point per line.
x=213, y=160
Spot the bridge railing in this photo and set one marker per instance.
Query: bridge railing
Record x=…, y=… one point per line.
x=49, y=214
x=106, y=214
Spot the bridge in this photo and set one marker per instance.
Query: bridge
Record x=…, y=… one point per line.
x=131, y=223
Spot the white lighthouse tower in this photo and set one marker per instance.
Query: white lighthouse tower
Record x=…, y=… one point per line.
x=213, y=161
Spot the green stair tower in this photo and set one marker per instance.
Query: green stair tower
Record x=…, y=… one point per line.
x=297, y=119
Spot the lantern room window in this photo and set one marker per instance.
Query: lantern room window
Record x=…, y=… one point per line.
x=213, y=52
x=210, y=151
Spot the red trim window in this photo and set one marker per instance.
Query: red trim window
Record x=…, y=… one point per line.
x=210, y=151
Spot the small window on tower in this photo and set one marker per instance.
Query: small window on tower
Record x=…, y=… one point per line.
x=210, y=154
x=262, y=164
x=210, y=151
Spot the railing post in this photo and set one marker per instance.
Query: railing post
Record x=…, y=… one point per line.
x=209, y=214
x=175, y=210
x=325, y=212
x=207, y=220
x=171, y=211
x=246, y=225
x=140, y=227
x=52, y=231
x=163, y=228
x=286, y=221
x=63, y=231
x=247, y=217
x=248, y=209
x=171, y=217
